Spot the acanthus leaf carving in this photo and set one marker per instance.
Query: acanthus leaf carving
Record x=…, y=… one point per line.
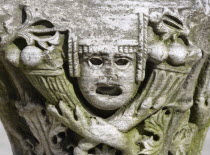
x=157, y=125
x=45, y=128
x=184, y=135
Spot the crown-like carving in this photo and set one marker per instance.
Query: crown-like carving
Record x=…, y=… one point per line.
x=140, y=49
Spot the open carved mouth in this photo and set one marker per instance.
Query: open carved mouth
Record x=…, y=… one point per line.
x=110, y=90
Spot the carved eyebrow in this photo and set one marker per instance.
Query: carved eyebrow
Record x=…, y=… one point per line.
x=128, y=56
x=87, y=56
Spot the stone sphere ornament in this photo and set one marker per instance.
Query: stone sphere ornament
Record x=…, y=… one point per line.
x=177, y=54
x=158, y=51
x=31, y=56
x=120, y=77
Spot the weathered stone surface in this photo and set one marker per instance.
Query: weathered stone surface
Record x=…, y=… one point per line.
x=105, y=77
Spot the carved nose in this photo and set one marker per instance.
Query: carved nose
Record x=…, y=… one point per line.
x=109, y=71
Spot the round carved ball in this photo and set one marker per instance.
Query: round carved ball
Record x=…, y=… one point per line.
x=177, y=54
x=31, y=56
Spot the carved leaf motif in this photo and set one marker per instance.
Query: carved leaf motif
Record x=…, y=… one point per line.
x=183, y=137
x=157, y=125
x=46, y=129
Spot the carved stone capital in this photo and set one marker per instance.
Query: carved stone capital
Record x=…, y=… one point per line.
x=105, y=77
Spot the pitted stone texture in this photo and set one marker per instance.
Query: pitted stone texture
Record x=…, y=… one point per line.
x=105, y=77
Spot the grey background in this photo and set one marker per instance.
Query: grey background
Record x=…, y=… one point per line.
x=5, y=148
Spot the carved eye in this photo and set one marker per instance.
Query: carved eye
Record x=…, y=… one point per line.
x=96, y=61
x=122, y=62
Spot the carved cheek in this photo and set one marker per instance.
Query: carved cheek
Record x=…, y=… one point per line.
x=128, y=74
x=90, y=75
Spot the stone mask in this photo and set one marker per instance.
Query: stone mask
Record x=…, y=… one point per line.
x=108, y=75
x=108, y=62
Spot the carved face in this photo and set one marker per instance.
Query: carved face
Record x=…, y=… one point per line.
x=108, y=61
x=108, y=78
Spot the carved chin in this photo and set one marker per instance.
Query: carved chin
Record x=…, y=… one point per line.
x=107, y=102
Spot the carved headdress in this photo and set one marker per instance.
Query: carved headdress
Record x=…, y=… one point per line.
x=122, y=34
